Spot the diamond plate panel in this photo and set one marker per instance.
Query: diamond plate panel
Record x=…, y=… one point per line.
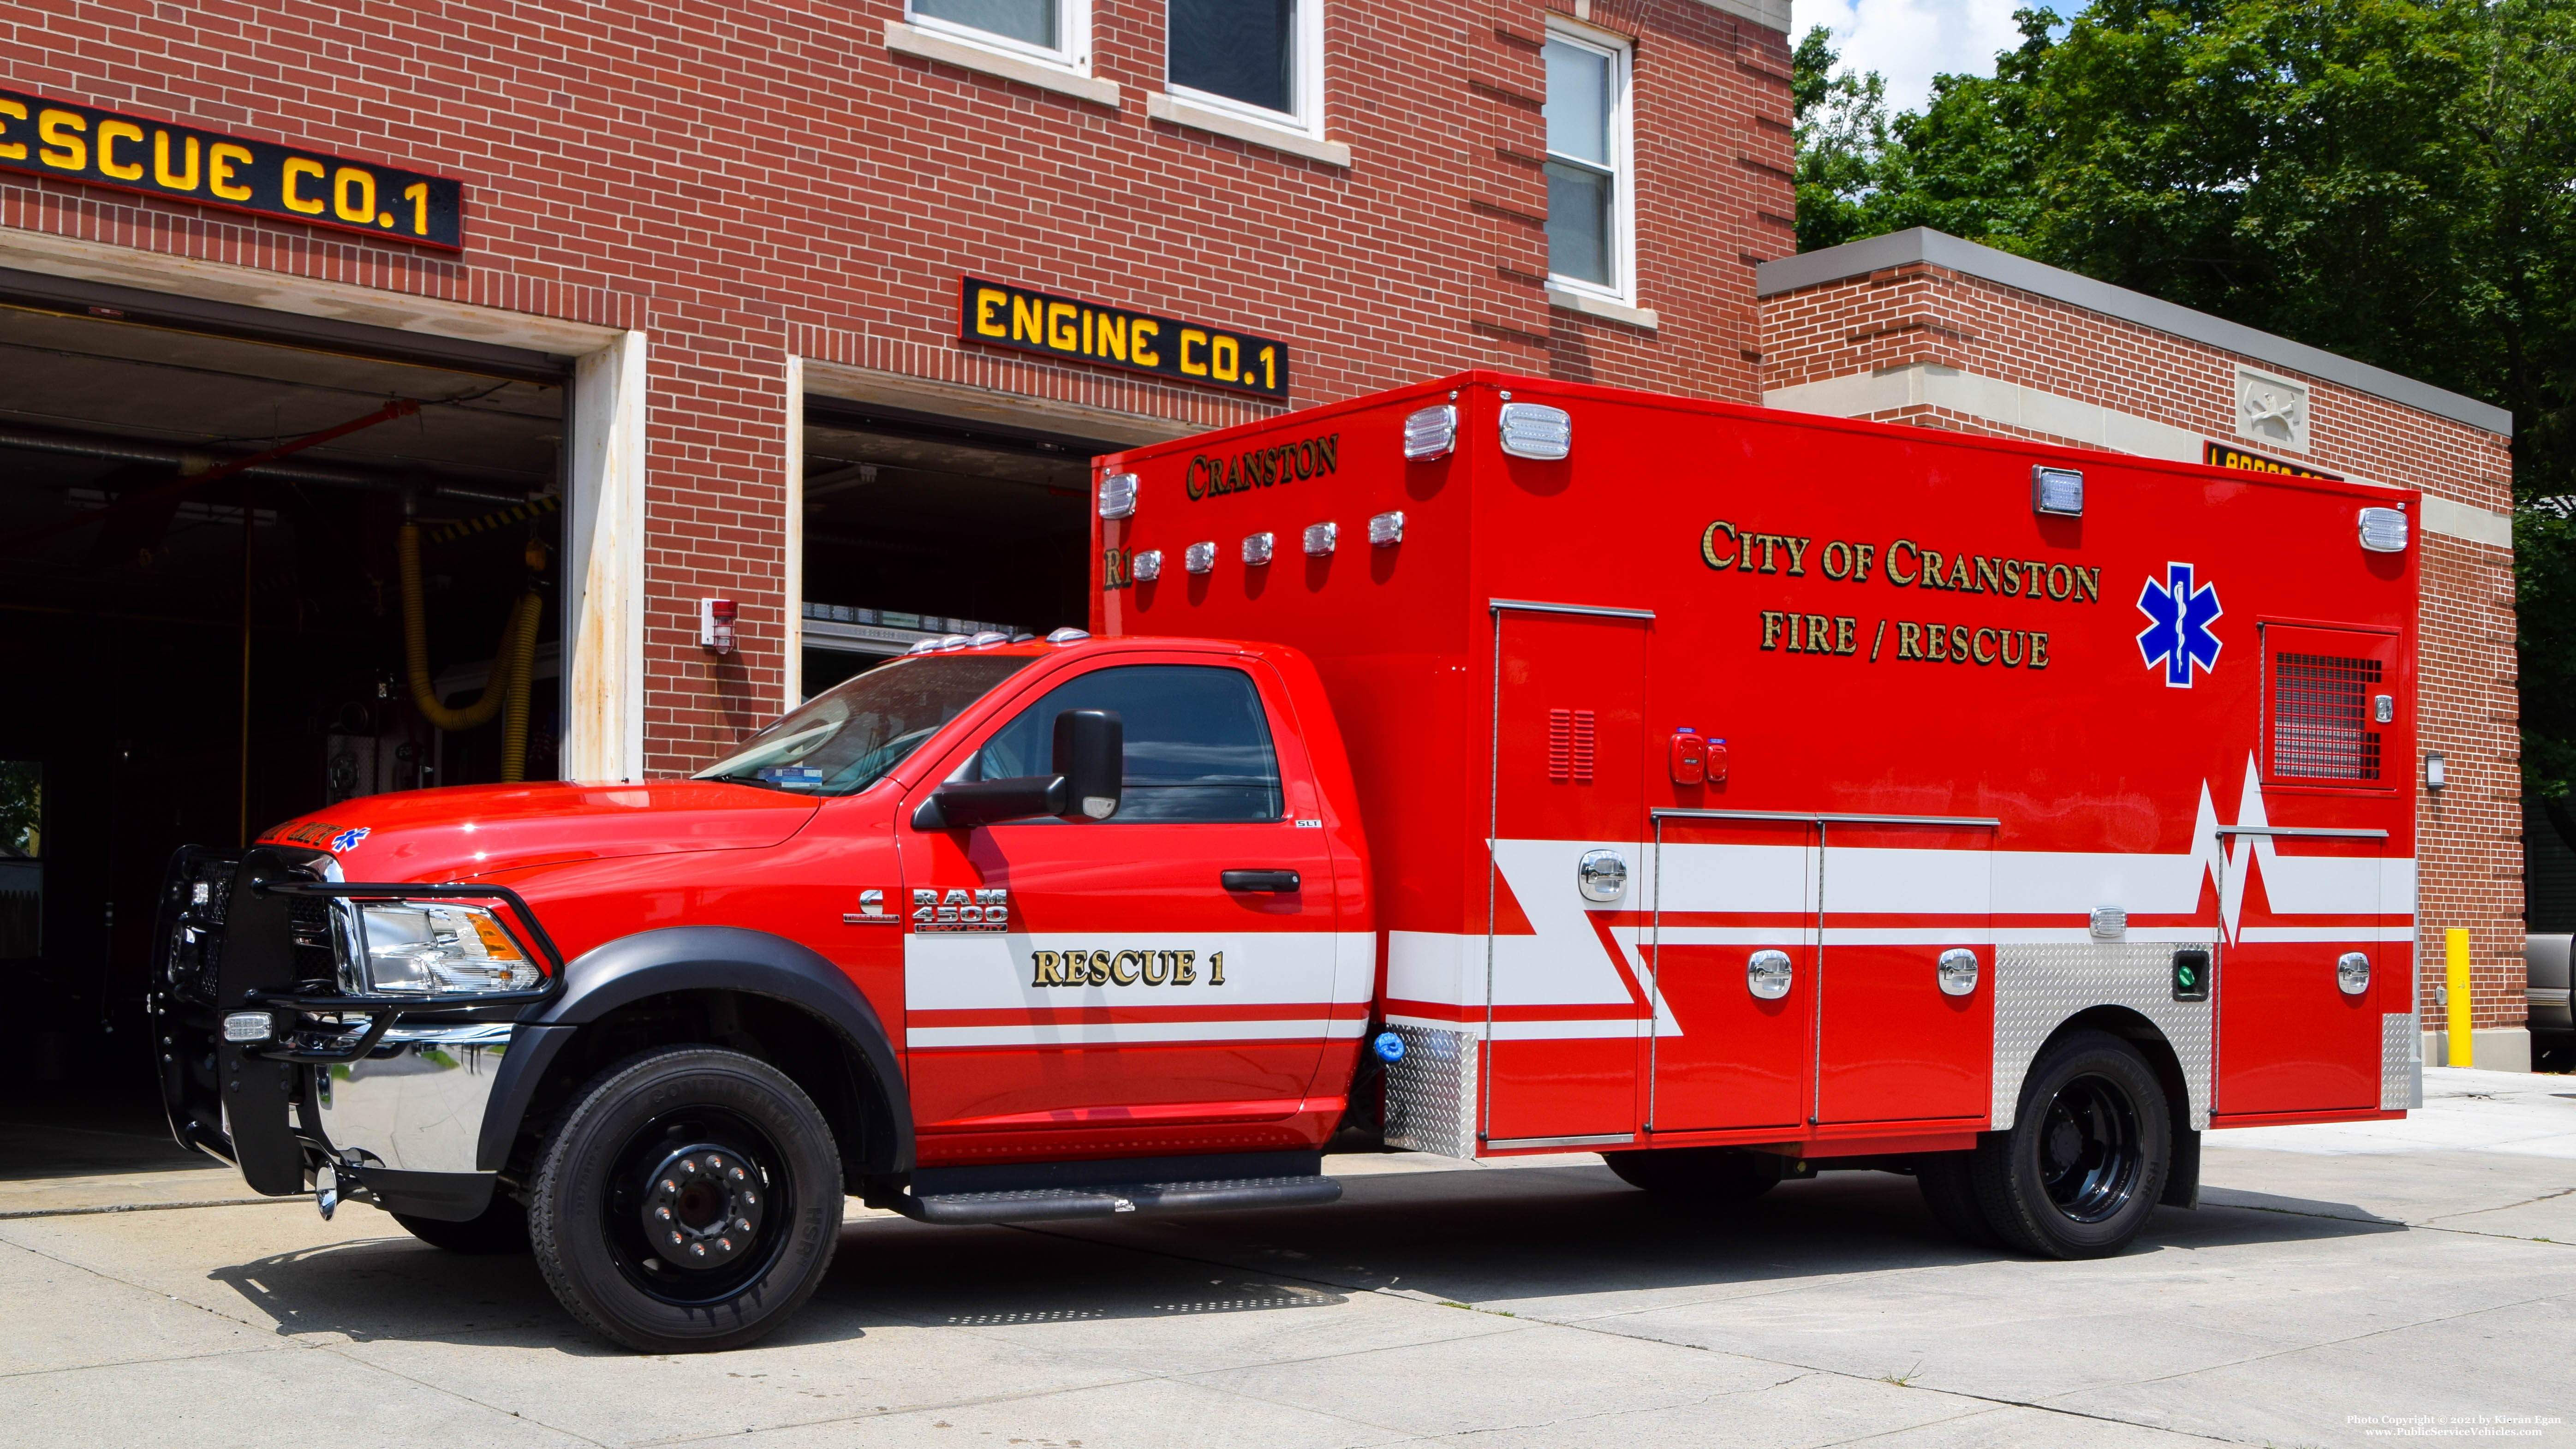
x=1431, y=1094
x=2401, y=1062
x=2038, y=987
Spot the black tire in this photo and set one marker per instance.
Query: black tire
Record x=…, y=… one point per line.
x=2079, y=1173
x=1949, y=1189
x=1715, y=1175
x=502, y=1228
x=727, y=1160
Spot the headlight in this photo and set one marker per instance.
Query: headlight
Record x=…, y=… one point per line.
x=425, y=948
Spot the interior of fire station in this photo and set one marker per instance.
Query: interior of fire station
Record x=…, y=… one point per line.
x=250, y=564
x=921, y=523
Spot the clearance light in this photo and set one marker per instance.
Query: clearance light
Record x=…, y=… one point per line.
x=989, y=638
x=2383, y=530
x=1146, y=566
x=1320, y=538
x=1118, y=495
x=1068, y=635
x=2057, y=490
x=1386, y=530
x=953, y=642
x=926, y=646
x=2109, y=923
x=1256, y=549
x=1431, y=433
x=1535, y=430
x=1199, y=558
x=244, y=1026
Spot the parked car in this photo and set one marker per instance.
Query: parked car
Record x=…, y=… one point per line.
x=2553, y=1032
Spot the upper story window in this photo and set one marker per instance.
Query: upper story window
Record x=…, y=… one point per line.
x=1260, y=58
x=1058, y=31
x=1590, y=203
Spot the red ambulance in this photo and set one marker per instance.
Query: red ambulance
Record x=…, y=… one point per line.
x=1497, y=766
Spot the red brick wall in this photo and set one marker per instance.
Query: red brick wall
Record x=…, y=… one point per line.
x=2468, y=837
x=744, y=181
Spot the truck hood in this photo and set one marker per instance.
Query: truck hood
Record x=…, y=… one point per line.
x=470, y=830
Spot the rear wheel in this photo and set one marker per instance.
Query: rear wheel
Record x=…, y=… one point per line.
x=2079, y=1173
x=1704, y=1174
x=502, y=1228
x=690, y=1200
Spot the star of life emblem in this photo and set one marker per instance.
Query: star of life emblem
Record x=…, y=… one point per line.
x=347, y=840
x=2177, y=635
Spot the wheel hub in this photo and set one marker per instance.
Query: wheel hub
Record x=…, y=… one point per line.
x=702, y=1206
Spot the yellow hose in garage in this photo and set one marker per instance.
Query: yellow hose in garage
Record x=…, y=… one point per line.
x=506, y=693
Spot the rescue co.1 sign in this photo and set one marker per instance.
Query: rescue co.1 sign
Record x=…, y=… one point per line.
x=1002, y=315
x=103, y=148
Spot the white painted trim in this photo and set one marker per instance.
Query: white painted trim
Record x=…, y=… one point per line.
x=341, y=301
x=1071, y=52
x=912, y=40
x=791, y=672
x=603, y=737
x=1277, y=135
x=1993, y=400
x=1592, y=306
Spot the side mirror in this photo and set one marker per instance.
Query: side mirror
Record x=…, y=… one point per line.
x=1091, y=761
x=1090, y=765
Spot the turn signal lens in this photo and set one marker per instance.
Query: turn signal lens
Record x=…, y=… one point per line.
x=1430, y=433
x=244, y=1026
x=2383, y=530
x=1118, y=495
x=2057, y=490
x=1535, y=430
x=1199, y=558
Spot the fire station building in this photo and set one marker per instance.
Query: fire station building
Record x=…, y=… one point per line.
x=339, y=339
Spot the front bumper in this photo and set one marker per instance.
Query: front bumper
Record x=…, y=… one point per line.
x=389, y=1094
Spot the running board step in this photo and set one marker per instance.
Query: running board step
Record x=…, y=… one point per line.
x=1030, y=1205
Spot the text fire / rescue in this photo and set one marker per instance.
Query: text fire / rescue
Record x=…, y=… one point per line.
x=1903, y=563
x=1123, y=968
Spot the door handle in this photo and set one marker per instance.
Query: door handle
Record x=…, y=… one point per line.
x=1260, y=880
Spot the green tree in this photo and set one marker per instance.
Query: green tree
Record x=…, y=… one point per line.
x=2393, y=180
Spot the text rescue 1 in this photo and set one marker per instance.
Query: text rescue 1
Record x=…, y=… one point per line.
x=1906, y=564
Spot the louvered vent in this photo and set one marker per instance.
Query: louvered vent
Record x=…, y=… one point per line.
x=2321, y=717
x=1569, y=745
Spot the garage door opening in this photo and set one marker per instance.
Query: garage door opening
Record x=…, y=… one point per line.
x=204, y=610
x=918, y=527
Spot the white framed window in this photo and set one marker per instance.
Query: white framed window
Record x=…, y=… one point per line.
x=1591, y=167
x=1260, y=60
x=1050, y=32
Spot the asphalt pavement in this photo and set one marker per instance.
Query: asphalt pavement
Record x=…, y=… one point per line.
x=2349, y=1284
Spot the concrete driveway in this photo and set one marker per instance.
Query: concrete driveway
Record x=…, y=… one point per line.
x=2342, y=1285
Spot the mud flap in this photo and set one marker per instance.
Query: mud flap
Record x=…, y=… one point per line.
x=2182, y=1174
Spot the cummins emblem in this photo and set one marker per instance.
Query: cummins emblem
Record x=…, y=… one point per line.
x=961, y=910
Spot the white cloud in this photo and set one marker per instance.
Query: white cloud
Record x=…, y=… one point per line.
x=1910, y=41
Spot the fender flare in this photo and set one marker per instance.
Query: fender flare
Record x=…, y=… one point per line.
x=703, y=958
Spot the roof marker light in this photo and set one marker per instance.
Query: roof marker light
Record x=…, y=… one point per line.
x=2057, y=490
x=1146, y=566
x=989, y=638
x=1320, y=538
x=953, y=643
x=926, y=646
x=1118, y=495
x=1430, y=433
x=1199, y=558
x=1068, y=635
x=2383, y=530
x=1256, y=549
x=1535, y=430
x=1386, y=530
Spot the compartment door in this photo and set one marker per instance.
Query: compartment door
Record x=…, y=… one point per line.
x=1566, y=1011
x=1899, y=1045
x=1731, y=1049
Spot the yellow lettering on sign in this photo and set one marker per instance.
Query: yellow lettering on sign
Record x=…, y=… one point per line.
x=418, y=195
x=358, y=182
x=64, y=152
x=109, y=133
x=12, y=150
x=1200, y=367
x=1226, y=358
x=989, y=302
x=1111, y=334
x=295, y=199
x=1028, y=320
x=1138, y=332
x=219, y=171
x=1059, y=324
x=162, y=175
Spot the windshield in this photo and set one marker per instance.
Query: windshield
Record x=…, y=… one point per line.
x=846, y=738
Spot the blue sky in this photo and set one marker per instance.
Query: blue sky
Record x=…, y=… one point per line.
x=1909, y=41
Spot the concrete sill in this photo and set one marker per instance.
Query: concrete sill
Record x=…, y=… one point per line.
x=911, y=40
x=1612, y=311
x=1164, y=107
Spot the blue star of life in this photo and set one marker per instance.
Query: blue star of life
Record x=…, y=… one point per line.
x=2177, y=635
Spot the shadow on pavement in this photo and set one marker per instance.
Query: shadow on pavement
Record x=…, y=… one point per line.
x=36, y=1151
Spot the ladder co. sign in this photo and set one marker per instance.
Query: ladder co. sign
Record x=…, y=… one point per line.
x=103, y=148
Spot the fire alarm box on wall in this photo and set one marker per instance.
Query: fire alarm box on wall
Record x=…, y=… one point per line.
x=715, y=625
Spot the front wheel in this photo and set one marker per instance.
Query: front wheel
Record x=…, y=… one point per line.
x=690, y=1200
x=2080, y=1171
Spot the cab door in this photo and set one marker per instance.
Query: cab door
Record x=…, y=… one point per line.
x=1171, y=966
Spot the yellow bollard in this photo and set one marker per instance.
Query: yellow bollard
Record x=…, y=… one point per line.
x=2455, y=942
